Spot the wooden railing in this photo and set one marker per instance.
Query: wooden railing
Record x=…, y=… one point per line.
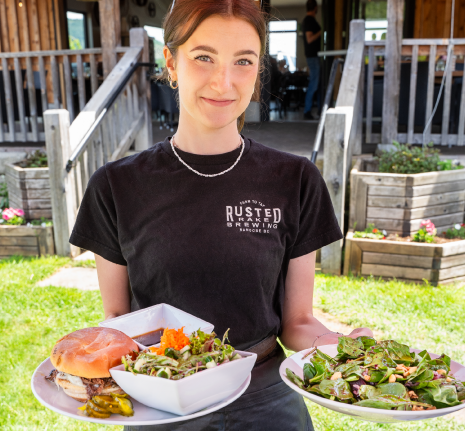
x=116, y=116
x=39, y=80
x=343, y=137
x=441, y=134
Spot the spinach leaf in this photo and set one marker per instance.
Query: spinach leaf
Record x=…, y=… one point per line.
x=397, y=389
x=387, y=402
x=439, y=364
x=309, y=372
x=316, y=390
x=323, y=370
x=398, y=352
x=338, y=388
x=366, y=341
x=381, y=359
x=367, y=391
x=375, y=376
x=425, y=375
x=440, y=397
x=327, y=358
x=294, y=378
x=349, y=369
x=350, y=347
x=389, y=372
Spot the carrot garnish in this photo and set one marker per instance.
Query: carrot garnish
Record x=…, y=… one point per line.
x=171, y=338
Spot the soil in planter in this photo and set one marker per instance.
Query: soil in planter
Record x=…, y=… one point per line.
x=37, y=159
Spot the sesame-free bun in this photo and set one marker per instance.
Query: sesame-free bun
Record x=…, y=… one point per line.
x=91, y=352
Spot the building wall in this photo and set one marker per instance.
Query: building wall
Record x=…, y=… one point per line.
x=433, y=19
x=298, y=13
x=31, y=27
x=130, y=13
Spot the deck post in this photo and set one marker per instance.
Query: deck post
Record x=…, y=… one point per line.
x=395, y=18
x=351, y=94
x=336, y=142
x=110, y=36
x=138, y=38
x=62, y=187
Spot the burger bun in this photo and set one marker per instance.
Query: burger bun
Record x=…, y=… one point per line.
x=91, y=352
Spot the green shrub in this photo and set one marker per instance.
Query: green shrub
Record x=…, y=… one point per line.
x=407, y=159
x=4, y=201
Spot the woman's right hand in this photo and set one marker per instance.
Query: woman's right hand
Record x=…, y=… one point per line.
x=361, y=332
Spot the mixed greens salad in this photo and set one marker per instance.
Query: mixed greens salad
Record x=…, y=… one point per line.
x=382, y=375
x=200, y=352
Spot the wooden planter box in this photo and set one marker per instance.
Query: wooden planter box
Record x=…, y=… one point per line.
x=26, y=241
x=398, y=203
x=29, y=189
x=409, y=261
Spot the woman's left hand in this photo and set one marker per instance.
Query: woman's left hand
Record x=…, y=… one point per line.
x=360, y=332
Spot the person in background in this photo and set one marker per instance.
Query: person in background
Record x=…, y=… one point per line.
x=311, y=32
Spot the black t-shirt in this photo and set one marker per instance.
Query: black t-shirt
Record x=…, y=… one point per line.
x=218, y=248
x=311, y=24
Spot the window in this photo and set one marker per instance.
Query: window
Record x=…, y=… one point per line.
x=76, y=30
x=283, y=42
x=158, y=44
x=376, y=29
x=376, y=20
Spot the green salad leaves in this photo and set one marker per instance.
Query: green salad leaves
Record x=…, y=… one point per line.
x=203, y=351
x=381, y=375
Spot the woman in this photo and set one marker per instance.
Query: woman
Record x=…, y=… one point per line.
x=214, y=223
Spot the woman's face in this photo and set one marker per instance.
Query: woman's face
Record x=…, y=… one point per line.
x=216, y=70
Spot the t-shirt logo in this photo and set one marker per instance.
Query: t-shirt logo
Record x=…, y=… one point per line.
x=253, y=216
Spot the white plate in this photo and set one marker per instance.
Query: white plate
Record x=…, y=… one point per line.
x=55, y=399
x=295, y=363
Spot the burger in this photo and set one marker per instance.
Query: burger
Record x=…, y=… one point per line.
x=82, y=361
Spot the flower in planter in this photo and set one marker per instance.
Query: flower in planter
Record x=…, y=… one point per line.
x=13, y=216
x=458, y=231
x=43, y=222
x=429, y=226
x=370, y=233
x=426, y=233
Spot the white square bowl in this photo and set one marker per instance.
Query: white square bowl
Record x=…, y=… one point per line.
x=155, y=317
x=188, y=395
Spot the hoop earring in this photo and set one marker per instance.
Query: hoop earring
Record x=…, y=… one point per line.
x=171, y=83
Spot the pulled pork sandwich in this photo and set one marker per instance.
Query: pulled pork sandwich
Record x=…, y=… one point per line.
x=82, y=361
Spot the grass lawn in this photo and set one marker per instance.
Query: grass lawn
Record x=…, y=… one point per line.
x=32, y=319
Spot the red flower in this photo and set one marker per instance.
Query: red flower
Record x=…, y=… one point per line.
x=375, y=230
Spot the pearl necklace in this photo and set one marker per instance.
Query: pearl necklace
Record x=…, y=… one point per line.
x=173, y=144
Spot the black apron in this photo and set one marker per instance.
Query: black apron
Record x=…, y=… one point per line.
x=268, y=404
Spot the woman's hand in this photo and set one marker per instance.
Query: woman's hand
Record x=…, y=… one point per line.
x=360, y=332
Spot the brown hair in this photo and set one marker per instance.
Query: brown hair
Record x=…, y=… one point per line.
x=194, y=12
